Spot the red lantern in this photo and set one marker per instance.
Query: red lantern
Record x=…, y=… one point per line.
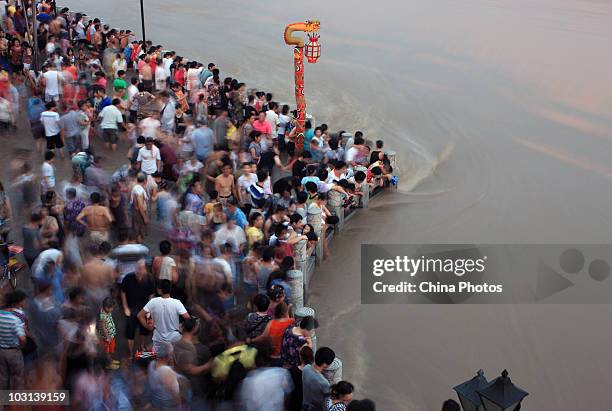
x=313, y=48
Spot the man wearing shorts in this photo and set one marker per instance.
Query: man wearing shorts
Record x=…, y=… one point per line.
x=50, y=120
x=136, y=291
x=52, y=81
x=111, y=120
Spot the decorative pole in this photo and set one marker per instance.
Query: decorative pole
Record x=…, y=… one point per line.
x=313, y=51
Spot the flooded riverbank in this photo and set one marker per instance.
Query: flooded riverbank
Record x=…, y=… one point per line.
x=515, y=97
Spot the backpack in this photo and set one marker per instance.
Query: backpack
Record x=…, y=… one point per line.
x=222, y=363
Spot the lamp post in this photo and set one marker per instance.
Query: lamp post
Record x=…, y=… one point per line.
x=466, y=391
x=34, y=39
x=142, y=22
x=501, y=395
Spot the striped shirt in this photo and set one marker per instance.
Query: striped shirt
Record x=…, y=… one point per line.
x=11, y=328
x=257, y=196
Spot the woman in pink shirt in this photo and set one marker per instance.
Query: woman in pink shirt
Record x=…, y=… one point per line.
x=262, y=125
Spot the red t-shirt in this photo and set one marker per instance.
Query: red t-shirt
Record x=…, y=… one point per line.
x=179, y=77
x=277, y=329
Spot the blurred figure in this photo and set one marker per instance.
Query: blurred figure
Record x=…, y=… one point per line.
x=163, y=380
x=361, y=405
x=341, y=396
x=265, y=388
x=315, y=386
x=12, y=338
x=165, y=312
x=451, y=405
x=136, y=290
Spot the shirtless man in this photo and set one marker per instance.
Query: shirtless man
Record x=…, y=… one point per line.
x=97, y=39
x=97, y=218
x=138, y=200
x=146, y=74
x=225, y=184
x=97, y=277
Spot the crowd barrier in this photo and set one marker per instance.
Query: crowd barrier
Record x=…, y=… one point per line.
x=299, y=280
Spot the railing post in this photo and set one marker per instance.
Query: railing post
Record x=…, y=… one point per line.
x=365, y=198
x=295, y=279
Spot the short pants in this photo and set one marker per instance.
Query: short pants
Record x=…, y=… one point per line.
x=110, y=135
x=109, y=346
x=54, y=142
x=38, y=131
x=131, y=324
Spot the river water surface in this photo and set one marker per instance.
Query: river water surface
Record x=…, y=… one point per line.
x=501, y=115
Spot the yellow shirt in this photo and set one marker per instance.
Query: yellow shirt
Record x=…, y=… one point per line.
x=209, y=208
x=254, y=234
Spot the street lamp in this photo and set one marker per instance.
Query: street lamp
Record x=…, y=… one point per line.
x=466, y=391
x=142, y=22
x=501, y=395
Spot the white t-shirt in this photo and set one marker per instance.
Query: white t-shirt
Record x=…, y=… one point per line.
x=245, y=183
x=149, y=127
x=190, y=167
x=272, y=118
x=50, y=47
x=132, y=90
x=137, y=191
x=227, y=269
x=266, y=389
x=351, y=153
x=51, y=122
x=119, y=64
x=51, y=83
x=148, y=159
x=47, y=170
x=168, y=116
x=283, y=120
x=5, y=110
x=44, y=257
x=165, y=269
x=111, y=117
x=160, y=78
x=167, y=64
x=165, y=313
x=235, y=237
x=331, y=177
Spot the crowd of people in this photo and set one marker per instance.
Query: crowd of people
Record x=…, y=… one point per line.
x=166, y=282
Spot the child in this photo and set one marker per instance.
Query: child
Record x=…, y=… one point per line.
x=107, y=330
x=214, y=200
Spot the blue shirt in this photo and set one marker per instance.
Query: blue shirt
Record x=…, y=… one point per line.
x=308, y=179
x=56, y=281
x=308, y=136
x=194, y=203
x=204, y=75
x=239, y=217
x=106, y=101
x=35, y=108
x=202, y=139
x=127, y=52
